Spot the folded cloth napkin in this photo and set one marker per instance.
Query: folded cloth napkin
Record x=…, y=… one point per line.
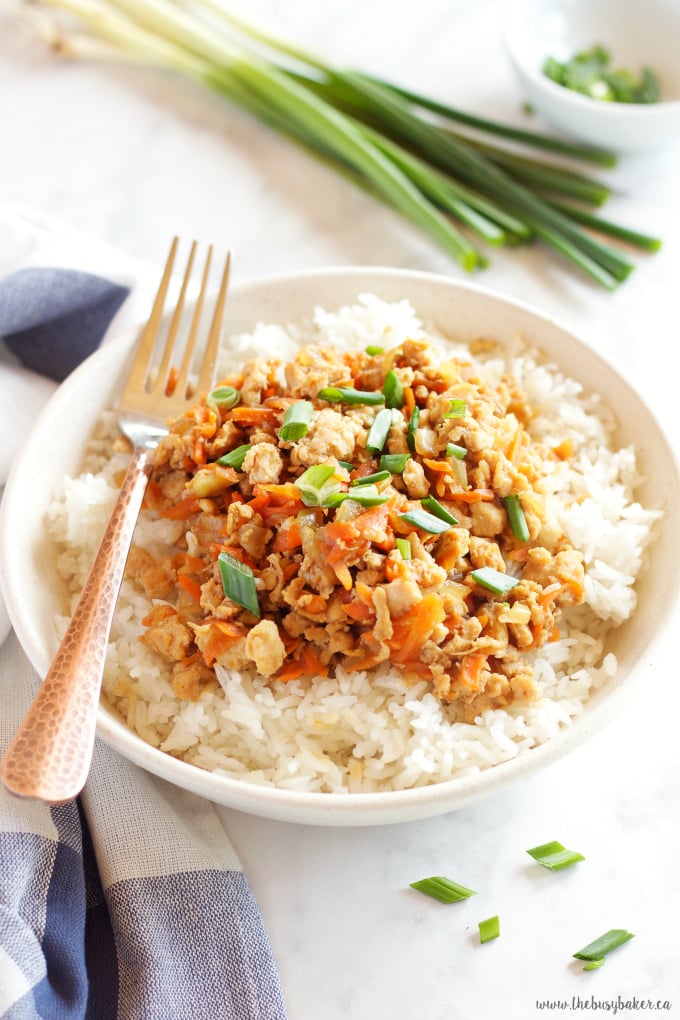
x=129, y=902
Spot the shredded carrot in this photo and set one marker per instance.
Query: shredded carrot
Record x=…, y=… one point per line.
x=290, y=670
x=565, y=449
x=223, y=634
x=409, y=401
x=182, y=510
x=470, y=670
x=313, y=666
x=190, y=586
x=288, y=538
x=474, y=496
x=413, y=629
x=253, y=415
x=153, y=495
x=173, y=376
x=441, y=466
x=358, y=611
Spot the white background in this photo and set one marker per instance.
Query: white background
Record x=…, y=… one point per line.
x=134, y=157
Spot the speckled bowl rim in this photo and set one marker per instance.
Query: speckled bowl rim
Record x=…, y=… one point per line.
x=54, y=445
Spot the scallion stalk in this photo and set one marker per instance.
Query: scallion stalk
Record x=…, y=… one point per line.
x=235, y=457
x=457, y=409
x=404, y=548
x=453, y=450
x=489, y=929
x=494, y=580
x=554, y=857
x=394, y=462
x=426, y=521
x=379, y=430
x=595, y=951
x=224, y=397
x=443, y=889
x=370, y=130
x=434, y=507
x=238, y=582
x=315, y=485
x=412, y=428
x=393, y=390
x=377, y=476
x=518, y=522
x=348, y=395
x=296, y=421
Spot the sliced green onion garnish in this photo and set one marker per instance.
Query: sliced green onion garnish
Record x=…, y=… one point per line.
x=367, y=495
x=425, y=521
x=598, y=949
x=348, y=395
x=378, y=476
x=411, y=430
x=494, y=580
x=554, y=857
x=379, y=430
x=238, y=582
x=518, y=522
x=489, y=929
x=594, y=964
x=314, y=485
x=435, y=507
x=235, y=457
x=394, y=462
x=224, y=397
x=457, y=409
x=346, y=464
x=393, y=390
x=443, y=889
x=374, y=350
x=296, y=421
x=404, y=547
x=453, y=450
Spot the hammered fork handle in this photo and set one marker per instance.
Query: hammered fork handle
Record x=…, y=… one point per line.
x=50, y=755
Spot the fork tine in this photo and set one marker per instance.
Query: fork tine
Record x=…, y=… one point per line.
x=162, y=381
x=138, y=373
x=183, y=375
x=206, y=377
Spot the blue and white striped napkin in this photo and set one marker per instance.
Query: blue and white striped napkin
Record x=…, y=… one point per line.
x=129, y=903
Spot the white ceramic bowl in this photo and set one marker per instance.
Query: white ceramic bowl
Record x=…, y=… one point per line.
x=637, y=33
x=54, y=448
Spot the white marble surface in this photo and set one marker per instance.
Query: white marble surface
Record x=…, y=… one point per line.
x=134, y=157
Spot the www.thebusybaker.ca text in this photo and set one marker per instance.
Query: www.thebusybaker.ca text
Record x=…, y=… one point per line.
x=612, y=1006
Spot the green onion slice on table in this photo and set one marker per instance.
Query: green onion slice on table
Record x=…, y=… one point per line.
x=443, y=889
x=595, y=952
x=554, y=857
x=489, y=929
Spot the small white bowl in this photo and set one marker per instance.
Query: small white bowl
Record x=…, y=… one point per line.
x=637, y=33
x=35, y=592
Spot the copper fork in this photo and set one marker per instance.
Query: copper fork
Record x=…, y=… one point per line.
x=49, y=757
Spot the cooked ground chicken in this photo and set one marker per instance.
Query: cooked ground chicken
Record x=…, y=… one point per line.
x=351, y=572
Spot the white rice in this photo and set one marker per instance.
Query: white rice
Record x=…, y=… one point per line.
x=359, y=732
